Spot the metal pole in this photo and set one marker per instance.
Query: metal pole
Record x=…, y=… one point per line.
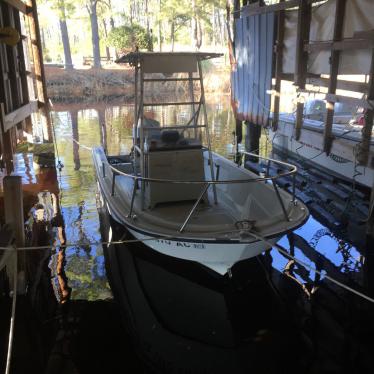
x=268, y=169
x=142, y=159
x=281, y=201
x=207, y=129
x=195, y=206
x=192, y=98
x=133, y=197
x=293, y=187
x=113, y=181
x=135, y=125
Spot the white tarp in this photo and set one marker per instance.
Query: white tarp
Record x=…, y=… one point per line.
x=359, y=16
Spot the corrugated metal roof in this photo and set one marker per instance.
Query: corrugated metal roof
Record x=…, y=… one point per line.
x=252, y=75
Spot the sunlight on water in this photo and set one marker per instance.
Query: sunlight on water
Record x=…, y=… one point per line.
x=76, y=132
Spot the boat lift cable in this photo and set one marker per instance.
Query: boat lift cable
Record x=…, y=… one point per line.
x=246, y=233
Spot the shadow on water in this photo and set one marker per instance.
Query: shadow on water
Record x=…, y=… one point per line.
x=272, y=316
x=184, y=318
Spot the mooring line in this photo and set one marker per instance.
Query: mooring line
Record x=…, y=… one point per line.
x=68, y=245
x=248, y=232
x=82, y=145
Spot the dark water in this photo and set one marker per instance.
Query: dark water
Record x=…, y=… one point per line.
x=272, y=316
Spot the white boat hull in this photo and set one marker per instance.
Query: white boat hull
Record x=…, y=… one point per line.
x=341, y=160
x=219, y=257
x=207, y=240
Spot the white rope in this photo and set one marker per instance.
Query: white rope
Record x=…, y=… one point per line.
x=13, y=316
x=82, y=145
x=85, y=243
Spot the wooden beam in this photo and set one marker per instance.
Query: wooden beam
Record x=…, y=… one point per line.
x=253, y=9
x=361, y=87
x=18, y=4
x=316, y=80
x=18, y=115
x=301, y=61
x=334, y=71
x=363, y=103
x=6, y=143
x=342, y=45
x=364, y=35
x=278, y=66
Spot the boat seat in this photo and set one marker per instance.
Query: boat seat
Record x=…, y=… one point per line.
x=172, y=140
x=174, y=164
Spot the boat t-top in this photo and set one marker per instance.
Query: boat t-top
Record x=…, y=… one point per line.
x=173, y=192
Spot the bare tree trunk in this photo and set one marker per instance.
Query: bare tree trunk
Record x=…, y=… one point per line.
x=214, y=25
x=194, y=24
x=107, y=51
x=147, y=18
x=111, y=20
x=197, y=31
x=160, y=27
x=112, y=25
x=199, y=39
x=172, y=35
x=65, y=36
x=92, y=9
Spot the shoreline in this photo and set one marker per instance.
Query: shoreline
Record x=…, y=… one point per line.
x=94, y=85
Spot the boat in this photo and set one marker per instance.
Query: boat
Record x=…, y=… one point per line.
x=174, y=193
x=183, y=318
x=341, y=161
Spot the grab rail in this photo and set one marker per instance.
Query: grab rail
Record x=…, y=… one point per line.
x=208, y=183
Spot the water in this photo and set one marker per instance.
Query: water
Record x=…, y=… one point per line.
x=182, y=317
x=77, y=131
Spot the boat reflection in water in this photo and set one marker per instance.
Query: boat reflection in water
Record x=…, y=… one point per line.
x=185, y=318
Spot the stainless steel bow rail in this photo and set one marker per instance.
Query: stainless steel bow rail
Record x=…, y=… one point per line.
x=292, y=170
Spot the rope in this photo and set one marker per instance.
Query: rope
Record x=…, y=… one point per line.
x=311, y=268
x=86, y=243
x=82, y=145
x=251, y=233
x=13, y=316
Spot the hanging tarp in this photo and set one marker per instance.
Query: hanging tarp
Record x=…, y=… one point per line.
x=252, y=73
x=359, y=16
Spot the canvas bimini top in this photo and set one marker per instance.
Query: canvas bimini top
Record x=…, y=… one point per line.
x=167, y=62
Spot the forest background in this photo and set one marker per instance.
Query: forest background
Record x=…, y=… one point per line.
x=103, y=29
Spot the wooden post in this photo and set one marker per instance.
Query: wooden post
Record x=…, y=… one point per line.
x=303, y=29
x=238, y=123
x=363, y=154
x=13, y=206
x=252, y=140
x=6, y=142
x=278, y=66
x=334, y=70
x=41, y=87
